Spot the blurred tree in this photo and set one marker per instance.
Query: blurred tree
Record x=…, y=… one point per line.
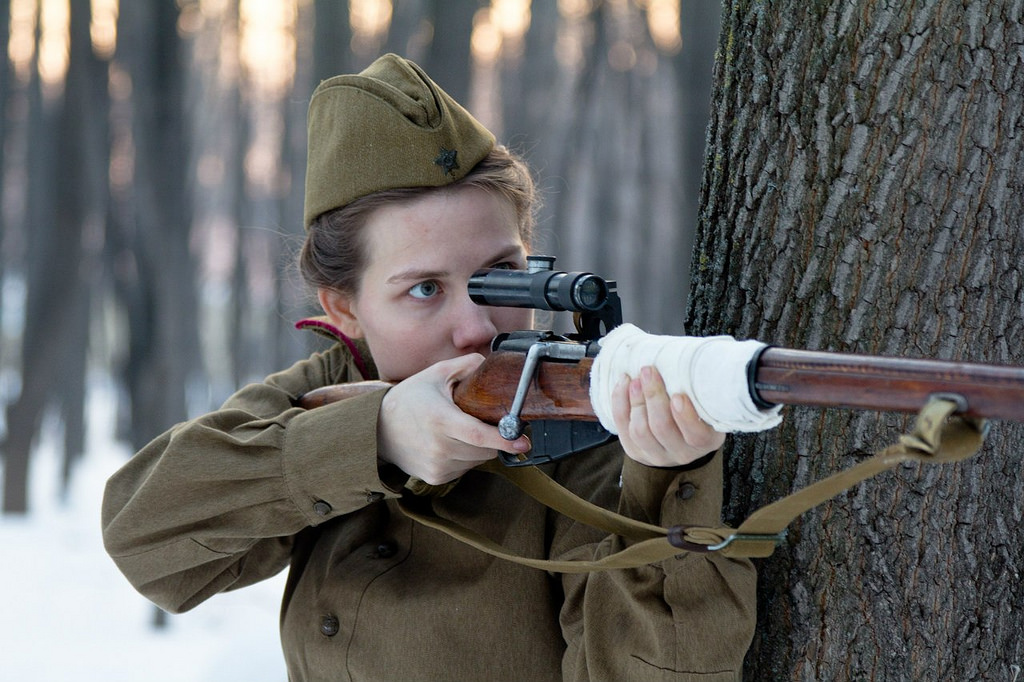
x=6, y=77
x=615, y=154
x=24, y=415
x=862, y=194
x=236, y=128
x=292, y=299
x=448, y=59
x=160, y=281
x=585, y=93
x=332, y=43
x=700, y=26
x=411, y=31
x=66, y=203
x=85, y=150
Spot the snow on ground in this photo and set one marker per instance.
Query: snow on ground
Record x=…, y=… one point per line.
x=67, y=614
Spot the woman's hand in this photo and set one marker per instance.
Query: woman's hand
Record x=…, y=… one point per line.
x=657, y=429
x=423, y=432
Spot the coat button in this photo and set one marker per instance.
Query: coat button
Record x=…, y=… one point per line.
x=321, y=508
x=329, y=626
x=374, y=497
x=387, y=549
x=686, y=491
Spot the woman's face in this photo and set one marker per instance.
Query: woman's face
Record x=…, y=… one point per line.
x=413, y=307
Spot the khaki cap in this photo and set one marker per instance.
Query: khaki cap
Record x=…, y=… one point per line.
x=387, y=127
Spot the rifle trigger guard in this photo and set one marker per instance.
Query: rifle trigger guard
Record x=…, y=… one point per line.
x=511, y=426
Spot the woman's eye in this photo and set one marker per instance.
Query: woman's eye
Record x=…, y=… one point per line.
x=507, y=265
x=425, y=289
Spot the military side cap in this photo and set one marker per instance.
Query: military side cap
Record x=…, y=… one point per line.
x=387, y=127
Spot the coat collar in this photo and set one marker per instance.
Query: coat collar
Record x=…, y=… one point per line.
x=360, y=352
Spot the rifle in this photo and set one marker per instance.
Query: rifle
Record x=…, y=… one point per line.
x=545, y=379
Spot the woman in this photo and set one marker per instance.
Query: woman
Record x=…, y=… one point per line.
x=407, y=195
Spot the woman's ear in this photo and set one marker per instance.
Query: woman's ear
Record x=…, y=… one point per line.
x=338, y=307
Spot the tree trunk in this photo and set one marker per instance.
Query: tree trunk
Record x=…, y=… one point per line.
x=332, y=39
x=82, y=202
x=6, y=76
x=164, y=349
x=862, y=193
x=293, y=300
x=410, y=32
x=38, y=349
x=700, y=24
x=448, y=59
x=614, y=163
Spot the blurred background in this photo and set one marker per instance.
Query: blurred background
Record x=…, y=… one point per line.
x=151, y=176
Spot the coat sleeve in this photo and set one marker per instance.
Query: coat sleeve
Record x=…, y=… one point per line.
x=688, y=618
x=214, y=503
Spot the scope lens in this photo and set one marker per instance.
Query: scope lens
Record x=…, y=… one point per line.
x=590, y=293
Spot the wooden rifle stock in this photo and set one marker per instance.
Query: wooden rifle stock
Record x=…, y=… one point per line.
x=560, y=390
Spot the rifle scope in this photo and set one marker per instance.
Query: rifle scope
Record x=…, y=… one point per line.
x=539, y=287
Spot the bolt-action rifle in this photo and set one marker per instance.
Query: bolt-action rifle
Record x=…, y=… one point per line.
x=543, y=379
x=540, y=376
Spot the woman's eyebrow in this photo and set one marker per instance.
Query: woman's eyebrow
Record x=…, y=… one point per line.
x=419, y=274
x=414, y=274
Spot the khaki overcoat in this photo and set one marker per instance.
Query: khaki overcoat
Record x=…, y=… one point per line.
x=236, y=496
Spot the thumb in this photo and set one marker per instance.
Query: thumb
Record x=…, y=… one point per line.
x=457, y=369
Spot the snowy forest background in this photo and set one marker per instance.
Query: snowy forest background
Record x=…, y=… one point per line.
x=152, y=164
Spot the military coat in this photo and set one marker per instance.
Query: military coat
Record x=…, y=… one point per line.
x=261, y=485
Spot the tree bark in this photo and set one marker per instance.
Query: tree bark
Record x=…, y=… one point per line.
x=862, y=193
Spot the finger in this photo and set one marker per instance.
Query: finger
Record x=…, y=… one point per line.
x=639, y=429
x=459, y=368
x=698, y=434
x=474, y=440
x=620, y=404
x=665, y=436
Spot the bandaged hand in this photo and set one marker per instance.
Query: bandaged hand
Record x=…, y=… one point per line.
x=657, y=429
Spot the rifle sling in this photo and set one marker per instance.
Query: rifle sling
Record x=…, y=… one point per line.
x=937, y=437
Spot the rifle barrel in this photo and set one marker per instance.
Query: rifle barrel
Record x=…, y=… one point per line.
x=561, y=390
x=825, y=379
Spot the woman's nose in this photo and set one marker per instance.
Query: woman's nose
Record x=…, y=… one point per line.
x=473, y=328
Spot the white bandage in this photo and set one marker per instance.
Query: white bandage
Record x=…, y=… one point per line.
x=712, y=371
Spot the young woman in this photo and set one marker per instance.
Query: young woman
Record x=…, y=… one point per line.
x=407, y=195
